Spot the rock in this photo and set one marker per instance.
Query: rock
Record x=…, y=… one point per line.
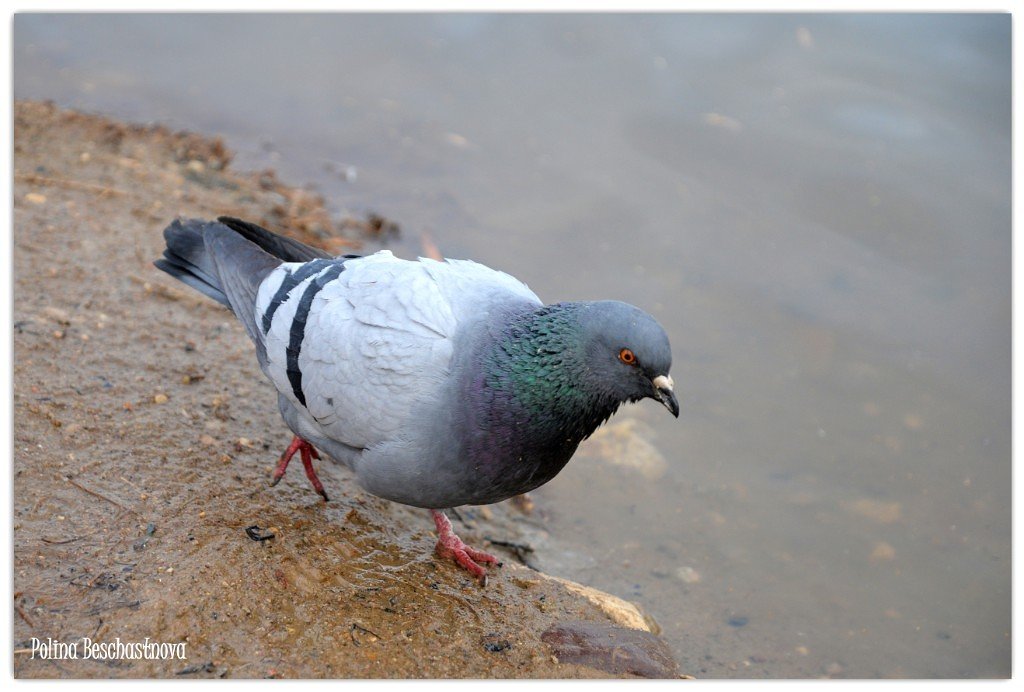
x=618, y=610
x=626, y=443
x=617, y=650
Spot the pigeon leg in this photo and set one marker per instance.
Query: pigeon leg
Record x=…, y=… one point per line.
x=450, y=545
x=308, y=453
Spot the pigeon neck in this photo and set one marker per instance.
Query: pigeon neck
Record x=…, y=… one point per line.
x=540, y=370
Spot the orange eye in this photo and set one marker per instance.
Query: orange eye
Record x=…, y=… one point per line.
x=627, y=357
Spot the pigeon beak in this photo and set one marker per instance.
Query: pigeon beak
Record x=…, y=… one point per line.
x=664, y=393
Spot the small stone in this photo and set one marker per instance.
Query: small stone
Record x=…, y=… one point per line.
x=57, y=314
x=457, y=140
x=35, y=198
x=723, y=121
x=495, y=644
x=913, y=421
x=207, y=440
x=626, y=443
x=804, y=38
x=687, y=575
x=524, y=503
x=160, y=399
x=876, y=510
x=882, y=552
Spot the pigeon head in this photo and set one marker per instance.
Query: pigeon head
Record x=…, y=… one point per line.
x=627, y=354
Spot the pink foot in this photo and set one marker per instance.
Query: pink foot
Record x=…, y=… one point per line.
x=451, y=546
x=308, y=453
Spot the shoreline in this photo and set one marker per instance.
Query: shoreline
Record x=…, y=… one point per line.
x=144, y=434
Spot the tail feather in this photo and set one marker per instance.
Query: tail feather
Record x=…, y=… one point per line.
x=186, y=258
x=241, y=267
x=279, y=246
x=227, y=260
x=220, y=263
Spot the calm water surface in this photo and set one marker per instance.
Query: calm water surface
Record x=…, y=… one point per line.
x=816, y=207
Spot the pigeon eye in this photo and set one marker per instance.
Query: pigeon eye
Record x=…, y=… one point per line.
x=627, y=356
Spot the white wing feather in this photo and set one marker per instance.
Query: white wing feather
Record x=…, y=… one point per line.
x=378, y=339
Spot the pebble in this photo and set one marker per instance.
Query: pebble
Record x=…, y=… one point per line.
x=723, y=121
x=524, y=503
x=804, y=38
x=616, y=650
x=495, y=644
x=882, y=551
x=876, y=510
x=160, y=399
x=687, y=575
x=56, y=314
x=35, y=198
x=626, y=443
x=913, y=421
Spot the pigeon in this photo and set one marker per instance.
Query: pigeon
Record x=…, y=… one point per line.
x=438, y=383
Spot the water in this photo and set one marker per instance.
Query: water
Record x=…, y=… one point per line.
x=817, y=207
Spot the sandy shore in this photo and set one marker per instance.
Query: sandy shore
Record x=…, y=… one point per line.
x=144, y=438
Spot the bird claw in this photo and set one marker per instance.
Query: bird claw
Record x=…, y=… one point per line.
x=451, y=546
x=307, y=452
